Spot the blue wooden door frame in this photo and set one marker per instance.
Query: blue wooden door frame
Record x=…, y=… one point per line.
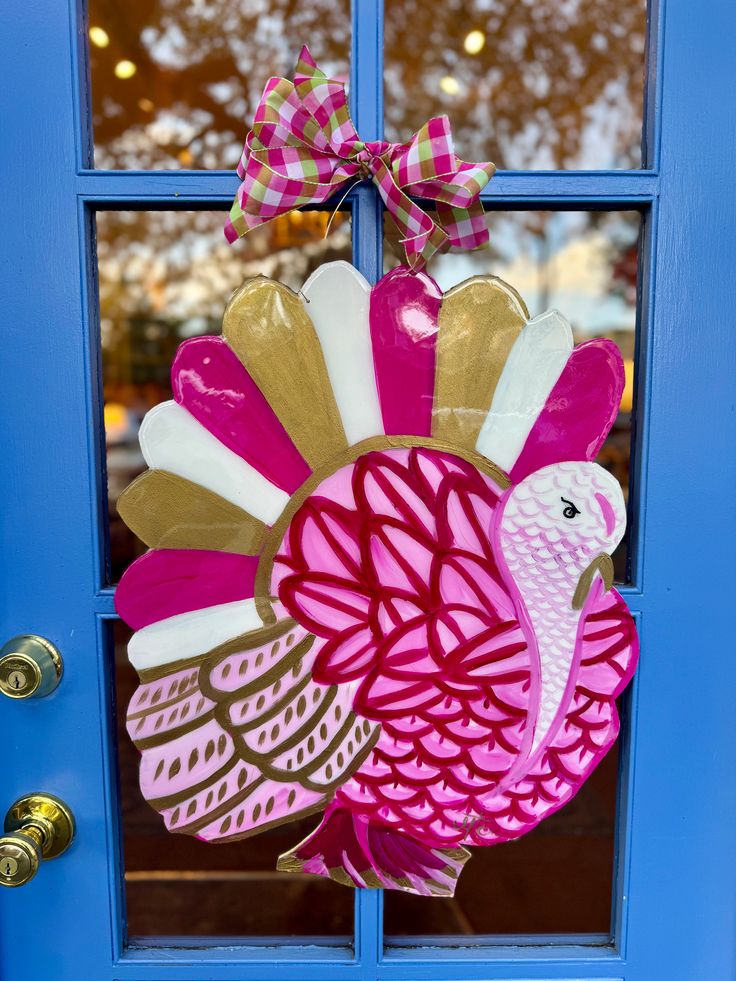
x=674, y=900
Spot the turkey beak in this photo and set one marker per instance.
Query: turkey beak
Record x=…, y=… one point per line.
x=602, y=564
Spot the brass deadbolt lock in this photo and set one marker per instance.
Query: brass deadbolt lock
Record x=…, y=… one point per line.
x=38, y=827
x=30, y=667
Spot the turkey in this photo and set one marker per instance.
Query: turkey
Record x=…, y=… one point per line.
x=379, y=585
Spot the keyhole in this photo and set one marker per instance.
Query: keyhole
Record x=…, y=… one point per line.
x=9, y=867
x=17, y=680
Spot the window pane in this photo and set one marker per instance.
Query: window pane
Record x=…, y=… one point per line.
x=178, y=886
x=536, y=85
x=559, y=878
x=556, y=880
x=176, y=82
x=165, y=276
x=584, y=264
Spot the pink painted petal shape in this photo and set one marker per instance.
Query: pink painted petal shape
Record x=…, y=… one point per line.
x=383, y=486
x=350, y=654
x=165, y=582
x=403, y=316
x=380, y=697
x=579, y=412
x=464, y=580
x=324, y=538
x=324, y=604
x=401, y=561
x=408, y=655
x=208, y=379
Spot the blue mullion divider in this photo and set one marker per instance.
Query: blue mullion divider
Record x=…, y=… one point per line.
x=366, y=108
x=216, y=188
x=683, y=800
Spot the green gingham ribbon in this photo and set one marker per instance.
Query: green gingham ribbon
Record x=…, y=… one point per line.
x=303, y=148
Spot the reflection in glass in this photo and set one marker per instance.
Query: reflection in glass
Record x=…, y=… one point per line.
x=176, y=82
x=527, y=85
x=177, y=886
x=559, y=878
x=163, y=277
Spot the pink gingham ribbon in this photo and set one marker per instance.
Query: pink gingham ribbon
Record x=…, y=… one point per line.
x=303, y=147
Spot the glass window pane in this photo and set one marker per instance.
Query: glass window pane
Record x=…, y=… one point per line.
x=559, y=878
x=178, y=886
x=538, y=85
x=176, y=82
x=556, y=880
x=165, y=276
x=582, y=263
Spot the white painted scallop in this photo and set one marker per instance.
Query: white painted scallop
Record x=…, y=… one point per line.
x=532, y=369
x=172, y=439
x=337, y=299
x=191, y=634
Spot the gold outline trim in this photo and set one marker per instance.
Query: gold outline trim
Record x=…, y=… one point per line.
x=220, y=811
x=267, y=714
x=147, y=675
x=296, y=816
x=162, y=803
x=261, y=760
x=151, y=742
x=236, y=646
x=348, y=772
x=604, y=565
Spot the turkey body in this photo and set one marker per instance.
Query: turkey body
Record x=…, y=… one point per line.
x=422, y=679
x=397, y=562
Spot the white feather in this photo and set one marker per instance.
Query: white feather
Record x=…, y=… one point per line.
x=172, y=439
x=532, y=368
x=337, y=299
x=191, y=634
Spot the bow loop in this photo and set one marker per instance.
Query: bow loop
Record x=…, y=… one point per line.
x=303, y=147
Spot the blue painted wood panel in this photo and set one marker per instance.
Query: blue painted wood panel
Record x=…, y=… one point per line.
x=674, y=902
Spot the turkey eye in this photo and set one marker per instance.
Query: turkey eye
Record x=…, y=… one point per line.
x=570, y=510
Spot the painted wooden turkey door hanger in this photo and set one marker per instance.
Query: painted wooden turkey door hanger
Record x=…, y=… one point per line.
x=379, y=585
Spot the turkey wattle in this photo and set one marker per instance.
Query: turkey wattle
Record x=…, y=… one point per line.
x=399, y=610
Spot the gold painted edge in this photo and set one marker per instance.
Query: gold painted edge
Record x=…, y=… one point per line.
x=496, y=281
x=604, y=565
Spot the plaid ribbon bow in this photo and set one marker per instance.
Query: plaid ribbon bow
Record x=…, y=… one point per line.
x=303, y=147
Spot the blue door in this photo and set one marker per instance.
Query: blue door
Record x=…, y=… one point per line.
x=100, y=167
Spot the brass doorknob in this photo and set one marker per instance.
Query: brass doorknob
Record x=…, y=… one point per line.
x=37, y=827
x=30, y=667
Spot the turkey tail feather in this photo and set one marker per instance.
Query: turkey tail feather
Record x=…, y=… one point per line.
x=352, y=850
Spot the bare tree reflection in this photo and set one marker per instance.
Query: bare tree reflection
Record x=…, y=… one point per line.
x=200, y=70
x=557, y=83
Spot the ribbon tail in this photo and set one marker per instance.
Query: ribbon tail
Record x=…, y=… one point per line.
x=420, y=235
x=466, y=228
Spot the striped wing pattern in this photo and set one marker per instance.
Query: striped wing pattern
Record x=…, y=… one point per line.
x=243, y=738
